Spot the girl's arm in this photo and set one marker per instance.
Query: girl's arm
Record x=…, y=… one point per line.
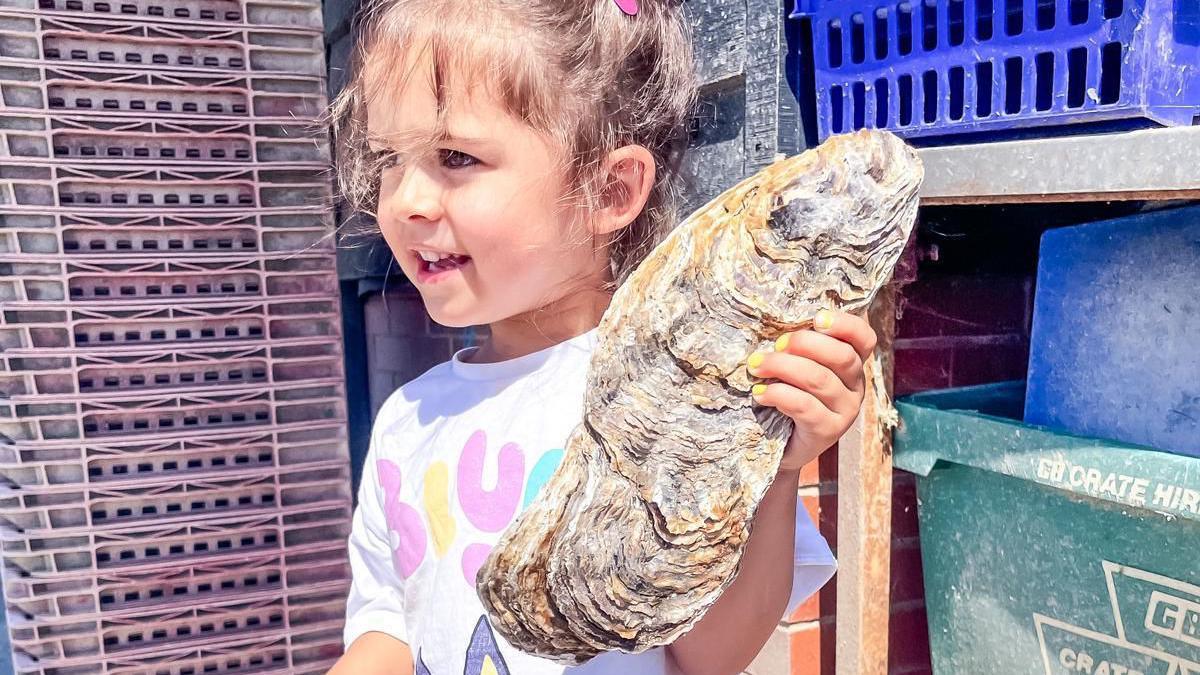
x=375, y=653
x=375, y=632
x=737, y=626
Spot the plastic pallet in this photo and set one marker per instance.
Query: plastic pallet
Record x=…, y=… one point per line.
x=114, y=594
x=942, y=67
x=121, y=44
x=82, y=141
x=161, y=460
x=234, y=537
x=309, y=654
x=275, y=13
x=228, y=623
x=31, y=236
x=194, y=414
x=57, y=90
x=233, y=278
x=177, y=189
x=172, y=413
x=47, y=513
x=52, y=331
x=158, y=372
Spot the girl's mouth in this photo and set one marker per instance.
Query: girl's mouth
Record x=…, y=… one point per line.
x=432, y=266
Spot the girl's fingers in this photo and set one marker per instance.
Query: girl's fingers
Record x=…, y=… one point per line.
x=849, y=329
x=806, y=410
x=806, y=375
x=834, y=354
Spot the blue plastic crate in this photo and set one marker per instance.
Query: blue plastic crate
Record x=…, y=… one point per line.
x=1112, y=350
x=942, y=67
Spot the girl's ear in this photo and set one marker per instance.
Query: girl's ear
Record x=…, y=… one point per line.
x=630, y=173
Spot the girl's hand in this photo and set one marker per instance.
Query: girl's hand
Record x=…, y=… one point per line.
x=817, y=380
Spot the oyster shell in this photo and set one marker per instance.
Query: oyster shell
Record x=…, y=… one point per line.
x=644, y=523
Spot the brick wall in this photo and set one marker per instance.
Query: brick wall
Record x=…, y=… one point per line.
x=955, y=328
x=402, y=342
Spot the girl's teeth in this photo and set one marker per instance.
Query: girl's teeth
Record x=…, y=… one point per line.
x=446, y=263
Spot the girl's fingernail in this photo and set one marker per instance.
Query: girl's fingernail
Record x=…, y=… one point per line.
x=782, y=343
x=755, y=360
x=824, y=320
x=758, y=389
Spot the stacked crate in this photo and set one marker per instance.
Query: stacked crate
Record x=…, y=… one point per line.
x=174, y=493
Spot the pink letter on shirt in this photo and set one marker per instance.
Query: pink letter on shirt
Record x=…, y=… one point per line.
x=406, y=535
x=490, y=510
x=472, y=559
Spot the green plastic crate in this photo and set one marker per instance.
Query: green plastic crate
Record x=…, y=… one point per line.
x=1046, y=552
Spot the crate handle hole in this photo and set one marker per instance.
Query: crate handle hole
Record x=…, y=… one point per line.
x=1012, y=85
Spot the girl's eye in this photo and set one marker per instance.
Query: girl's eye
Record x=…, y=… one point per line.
x=454, y=159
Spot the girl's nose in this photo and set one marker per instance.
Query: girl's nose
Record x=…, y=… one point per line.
x=415, y=197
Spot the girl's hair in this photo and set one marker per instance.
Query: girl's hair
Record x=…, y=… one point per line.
x=583, y=73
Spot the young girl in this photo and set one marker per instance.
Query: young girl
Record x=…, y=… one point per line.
x=521, y=157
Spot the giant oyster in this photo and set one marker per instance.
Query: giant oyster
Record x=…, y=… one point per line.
x=644, y=523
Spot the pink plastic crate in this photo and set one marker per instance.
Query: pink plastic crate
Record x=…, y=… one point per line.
x=230, y=623
x=135, y=591
x=157, y=281
x=83, y=141
x=45, y=330
x=275, y=13
x=124, y=44
x=85, y=553
x=177, y=190
x=172, y=372
x=84, y=90
x=157, y=460
x=33, y=236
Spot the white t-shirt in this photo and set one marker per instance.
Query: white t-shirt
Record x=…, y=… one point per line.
x=455, y=455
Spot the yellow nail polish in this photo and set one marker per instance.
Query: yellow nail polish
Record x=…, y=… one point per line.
x=755, y=360
x=824, y=320
x=782, y=343
x=758, y=389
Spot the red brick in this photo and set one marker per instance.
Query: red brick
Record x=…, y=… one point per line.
x=906, y=576
x=812, y=650
x=918, y=369
x=810, y=474
x=941, y=305
x=908, y=641
x=822, y=508
x=978, y=364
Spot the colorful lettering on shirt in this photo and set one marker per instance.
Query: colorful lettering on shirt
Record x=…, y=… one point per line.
x=540, y=474
x=406, y=534
x=472, y=559
x=490, y=510
x=437, y=507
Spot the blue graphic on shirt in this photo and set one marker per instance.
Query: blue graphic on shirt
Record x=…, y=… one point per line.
x=483, y=654
x=540, y=474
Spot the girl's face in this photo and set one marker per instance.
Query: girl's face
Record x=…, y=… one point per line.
x=477, y=226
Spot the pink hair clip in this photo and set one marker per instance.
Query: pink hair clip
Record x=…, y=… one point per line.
x=630, y=7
